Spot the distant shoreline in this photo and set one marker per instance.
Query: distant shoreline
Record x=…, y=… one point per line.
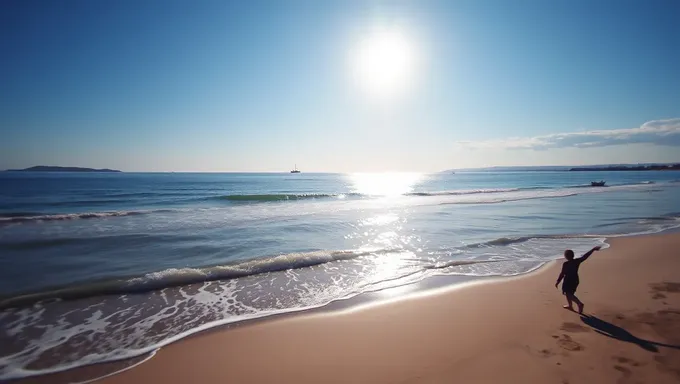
x=46, y=168
x=673, y=167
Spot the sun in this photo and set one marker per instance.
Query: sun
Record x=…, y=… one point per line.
x=383, y=63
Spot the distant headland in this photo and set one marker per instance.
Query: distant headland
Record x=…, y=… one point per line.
x=50, y=168
x=567, y=168
x=655, y=167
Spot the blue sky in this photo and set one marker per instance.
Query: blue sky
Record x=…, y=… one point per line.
x=261, y=85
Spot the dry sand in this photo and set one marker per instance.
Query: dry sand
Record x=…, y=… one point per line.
x=506, y=331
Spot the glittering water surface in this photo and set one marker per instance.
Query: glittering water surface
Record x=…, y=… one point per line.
x=97, y=267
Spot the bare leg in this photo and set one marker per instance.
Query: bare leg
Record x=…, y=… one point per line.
x=579, y=303
x=569, y=302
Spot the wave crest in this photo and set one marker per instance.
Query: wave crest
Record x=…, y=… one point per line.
x=173, y=277
x=279, y=197
x=14, y=218
x=504, y=241
x=465, y=192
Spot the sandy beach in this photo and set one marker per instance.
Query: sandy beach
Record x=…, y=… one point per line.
x=511, y=330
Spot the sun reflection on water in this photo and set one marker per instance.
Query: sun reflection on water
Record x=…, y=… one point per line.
x=388, y=184
x=379, y=220
x=394, y=249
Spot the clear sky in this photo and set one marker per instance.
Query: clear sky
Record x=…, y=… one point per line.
x=338, y=86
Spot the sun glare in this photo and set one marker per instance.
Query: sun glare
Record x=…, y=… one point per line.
x=388, y=184
x=384, y=63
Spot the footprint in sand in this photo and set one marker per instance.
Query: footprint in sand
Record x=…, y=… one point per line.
x=658, y=289
x=573, y=327
x=626, y=372
x=625, y=360
x=668, y=364
x=544, y=353
x=665, y=287
x=566, y=343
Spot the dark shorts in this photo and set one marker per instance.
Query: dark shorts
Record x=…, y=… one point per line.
x=569, y=287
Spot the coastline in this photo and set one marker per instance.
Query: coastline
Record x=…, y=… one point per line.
x=630, y=290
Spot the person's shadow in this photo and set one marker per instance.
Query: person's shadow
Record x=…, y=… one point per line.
x=608, y=329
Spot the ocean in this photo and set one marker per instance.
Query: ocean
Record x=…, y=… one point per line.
x=97, y=267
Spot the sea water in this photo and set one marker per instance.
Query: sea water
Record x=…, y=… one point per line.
x=96, y=267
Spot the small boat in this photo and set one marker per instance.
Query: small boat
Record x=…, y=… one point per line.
x=597, y=183
x=295, y=170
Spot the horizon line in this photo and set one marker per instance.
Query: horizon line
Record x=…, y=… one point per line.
x=95, y=170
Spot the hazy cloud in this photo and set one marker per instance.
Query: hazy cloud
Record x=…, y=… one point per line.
x=658, y=132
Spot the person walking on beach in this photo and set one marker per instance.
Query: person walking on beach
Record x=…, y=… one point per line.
x=570, y=275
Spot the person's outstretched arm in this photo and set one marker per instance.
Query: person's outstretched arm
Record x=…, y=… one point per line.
x=560, y=277
x=587, y=254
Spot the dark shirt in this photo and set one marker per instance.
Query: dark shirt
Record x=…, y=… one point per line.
x=570, y=269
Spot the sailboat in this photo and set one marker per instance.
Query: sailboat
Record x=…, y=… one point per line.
x=295, y=170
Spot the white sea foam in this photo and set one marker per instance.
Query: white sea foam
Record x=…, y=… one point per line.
x=116, y=327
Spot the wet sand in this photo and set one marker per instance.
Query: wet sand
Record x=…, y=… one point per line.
x=511, y=330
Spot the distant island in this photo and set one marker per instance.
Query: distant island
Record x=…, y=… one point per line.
x=654, y=167
x=50, y=168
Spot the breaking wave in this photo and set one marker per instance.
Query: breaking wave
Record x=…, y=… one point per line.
x=281, y=197
x=18, y=217
x=174, y=277
x=465, y=192
x=503, y=241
